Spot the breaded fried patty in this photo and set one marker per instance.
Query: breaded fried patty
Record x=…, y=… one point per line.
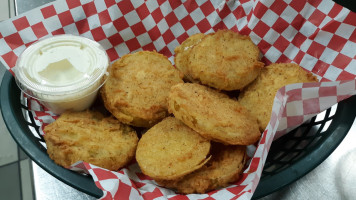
x=258, y=96
x=169, y=150
x=89, y=136
x=212, y=114
x=224, y=60
x=137, y=88
x=224, y=167
x=183, y=51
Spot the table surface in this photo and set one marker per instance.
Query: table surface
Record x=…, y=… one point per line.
x=333, y=179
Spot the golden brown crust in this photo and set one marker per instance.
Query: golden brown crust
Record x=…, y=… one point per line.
x=90, y=137
x=212, y=114
x=224, y=167
x=224, y=60
x=137, y=88
x=169, y=150
x=259, y=95
x=183, y=51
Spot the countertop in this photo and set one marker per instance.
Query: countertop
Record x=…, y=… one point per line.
x=333, y=179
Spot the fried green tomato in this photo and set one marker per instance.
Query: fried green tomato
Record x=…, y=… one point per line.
x=212, y=114
x=138, y=86
x=182, y=53
x=89, y=136
x=225, y=60
x=259, y=95
x=225, y=167
x=169, y=150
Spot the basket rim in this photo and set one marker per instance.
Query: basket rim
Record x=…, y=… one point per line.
x=338, y=129
x=12, y=115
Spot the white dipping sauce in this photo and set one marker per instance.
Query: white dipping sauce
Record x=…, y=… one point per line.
x=64, y=72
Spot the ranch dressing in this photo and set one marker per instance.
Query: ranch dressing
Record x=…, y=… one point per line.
x=64, y=72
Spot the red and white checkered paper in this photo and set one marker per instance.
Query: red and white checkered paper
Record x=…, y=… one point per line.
x=318, y=35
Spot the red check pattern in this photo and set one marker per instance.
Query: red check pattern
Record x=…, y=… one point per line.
x=318, y=35
x=303, y=101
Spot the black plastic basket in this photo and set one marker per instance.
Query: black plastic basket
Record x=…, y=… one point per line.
x=290, y=157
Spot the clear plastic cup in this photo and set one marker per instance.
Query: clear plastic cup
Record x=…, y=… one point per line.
x=63, y=72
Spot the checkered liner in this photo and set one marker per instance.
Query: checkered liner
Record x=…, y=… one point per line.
x=318, y=35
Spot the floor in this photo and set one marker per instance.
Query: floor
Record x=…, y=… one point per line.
x=16, y=179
